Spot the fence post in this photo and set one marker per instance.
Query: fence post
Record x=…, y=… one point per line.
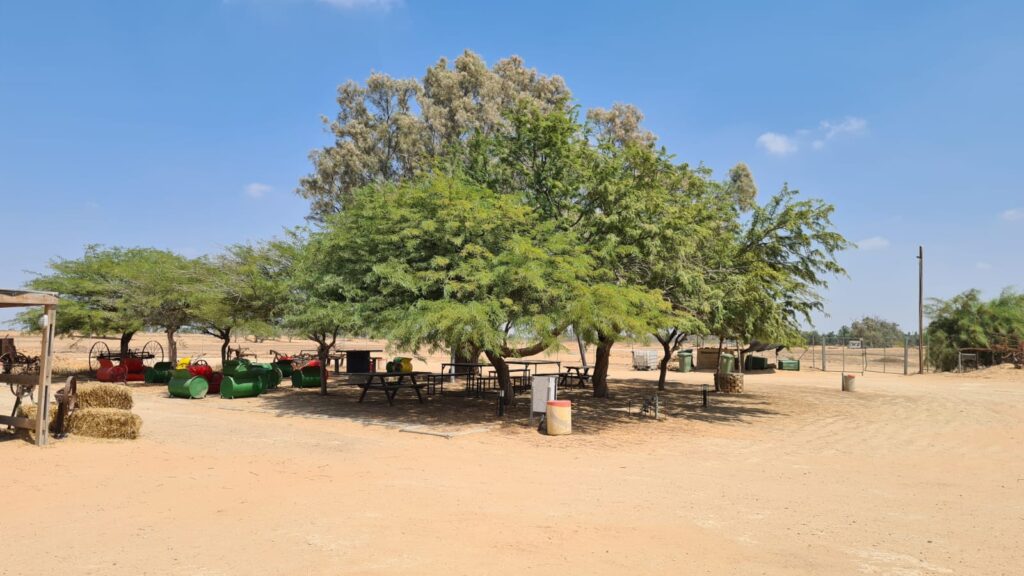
x=824, y=345
x=906, y=355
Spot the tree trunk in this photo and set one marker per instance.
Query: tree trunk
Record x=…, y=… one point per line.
x=322, y=349
x=666, y=345
x=600, y=377
x=466, y=355
x=172, y=346
x=225, y=336
x=501, y=368
x=126, y=340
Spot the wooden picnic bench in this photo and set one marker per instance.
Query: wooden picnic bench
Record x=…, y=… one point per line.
x=390, y=383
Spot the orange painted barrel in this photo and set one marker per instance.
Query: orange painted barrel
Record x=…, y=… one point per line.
x=559, y=417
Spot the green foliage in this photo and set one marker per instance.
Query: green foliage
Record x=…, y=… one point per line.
x=444, y=262
x=967, y=321
x=876, y=332
x=109, y=291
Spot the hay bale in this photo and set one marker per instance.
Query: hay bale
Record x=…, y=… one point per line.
x=30, y=411
x=104, y=395
x=105, y=423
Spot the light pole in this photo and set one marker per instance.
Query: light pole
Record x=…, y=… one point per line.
x=920, y=309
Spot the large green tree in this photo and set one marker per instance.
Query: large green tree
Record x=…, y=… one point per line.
x=107, y=292
x=968, y=321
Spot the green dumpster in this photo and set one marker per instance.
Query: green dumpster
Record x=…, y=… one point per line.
x=183, y=384
x=726, y=363
x=685, y=360
x=159, y=373
x=308, y=377
x=755, y=363
x=789, y=365
x=242, y=379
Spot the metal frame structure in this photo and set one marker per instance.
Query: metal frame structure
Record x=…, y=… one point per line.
x=48, y=300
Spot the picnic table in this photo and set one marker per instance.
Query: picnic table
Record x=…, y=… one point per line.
x=390, y=383
x=529, y=365
x=473, y=372
x=580, y=373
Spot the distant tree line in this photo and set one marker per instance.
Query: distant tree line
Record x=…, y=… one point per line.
x=871, y=330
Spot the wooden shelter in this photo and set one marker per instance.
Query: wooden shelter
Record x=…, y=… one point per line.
x=48, y=300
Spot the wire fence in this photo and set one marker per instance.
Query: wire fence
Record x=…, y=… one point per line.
x=847, y=355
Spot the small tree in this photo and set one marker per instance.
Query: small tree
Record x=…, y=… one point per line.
x=242, y=289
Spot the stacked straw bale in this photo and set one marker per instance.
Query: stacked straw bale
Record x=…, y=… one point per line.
x=103, y=411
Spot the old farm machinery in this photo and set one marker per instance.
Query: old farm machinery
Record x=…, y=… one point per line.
x=110, y=366
x=14, y=362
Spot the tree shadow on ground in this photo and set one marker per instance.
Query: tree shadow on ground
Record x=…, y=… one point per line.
x=453, y=411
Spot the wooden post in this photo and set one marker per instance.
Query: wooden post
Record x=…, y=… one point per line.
x=45, y=368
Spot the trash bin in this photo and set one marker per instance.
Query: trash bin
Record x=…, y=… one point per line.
x=685, y=361
x=559, y=417
x=848, y=382
x=726, y=363
x=789, y=365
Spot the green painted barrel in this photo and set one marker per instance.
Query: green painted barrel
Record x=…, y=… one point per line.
x=308, y=377
x=159, y=373
x=241, y=386
x=286, y=368
x=271, y=375
x=184, y=385
x=243, y=379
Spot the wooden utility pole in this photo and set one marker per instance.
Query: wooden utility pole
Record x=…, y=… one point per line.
x=920, y=309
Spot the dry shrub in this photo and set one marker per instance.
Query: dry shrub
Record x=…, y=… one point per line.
x=105, y=423
x=104, y=395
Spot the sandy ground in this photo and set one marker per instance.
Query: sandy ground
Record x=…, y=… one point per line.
x=918, y=475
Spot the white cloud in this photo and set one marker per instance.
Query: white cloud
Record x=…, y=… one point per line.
x=777, y=144
x=849, y=125
x=818, y=138
x=873, y=243
x=1012, y=214
x=983, y=266
x=257, y=190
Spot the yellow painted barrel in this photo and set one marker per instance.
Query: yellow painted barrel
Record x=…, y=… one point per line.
x=559, y=417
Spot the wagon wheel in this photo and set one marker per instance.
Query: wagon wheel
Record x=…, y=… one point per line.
x=98, y=349
x=153, y=349
x=200, y=362
x=21, y=390
x=29, y=364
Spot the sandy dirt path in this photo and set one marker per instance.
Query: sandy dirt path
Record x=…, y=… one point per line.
x=907, y=476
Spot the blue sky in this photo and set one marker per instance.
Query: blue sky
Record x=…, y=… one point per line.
x=187, y=124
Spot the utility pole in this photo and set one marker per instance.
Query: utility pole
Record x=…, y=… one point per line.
x=920, y=309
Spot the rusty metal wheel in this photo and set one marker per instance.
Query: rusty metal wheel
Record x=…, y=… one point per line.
x=152, y=353
x=97, y=350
